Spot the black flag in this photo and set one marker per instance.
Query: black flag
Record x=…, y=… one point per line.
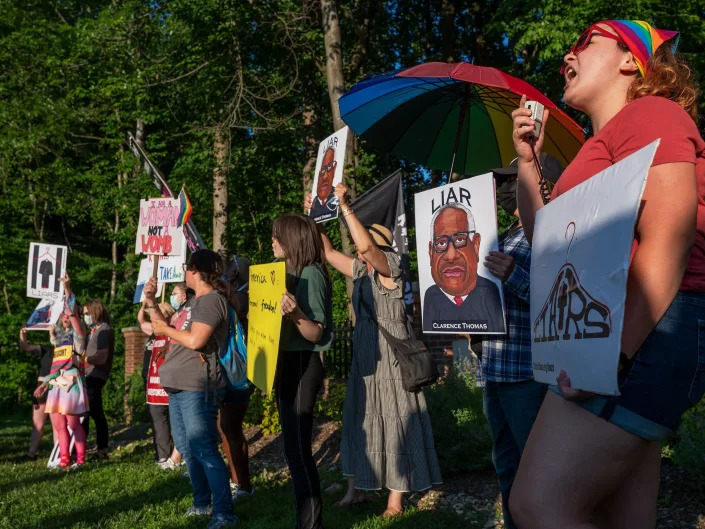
x=384, y=204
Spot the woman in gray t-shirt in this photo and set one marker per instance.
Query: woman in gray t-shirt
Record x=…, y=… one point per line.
x=192, y=376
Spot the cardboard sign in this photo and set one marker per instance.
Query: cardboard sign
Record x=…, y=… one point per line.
x=456, y=227
x=46, y=265
x=170, y=271
x=45, y=315
x=579, y=266
x=142, y=277
x=329, y=173
x=155, y=391
x=157, y=233
x=267, y=285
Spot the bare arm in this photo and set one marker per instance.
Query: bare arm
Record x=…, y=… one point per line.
x=529, y=199
x=341, y=262
x=309, y=329
x=150, y=291
x=195, y=339
x=666, y=231
x=144, y=324
x=361, y=237
x=27, y=347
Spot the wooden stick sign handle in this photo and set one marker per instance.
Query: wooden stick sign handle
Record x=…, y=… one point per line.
x=155, y=266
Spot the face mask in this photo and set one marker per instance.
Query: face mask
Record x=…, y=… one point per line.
x=175, y=303
x=88, y=319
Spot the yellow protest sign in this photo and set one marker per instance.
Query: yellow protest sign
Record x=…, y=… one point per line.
x=267, y=285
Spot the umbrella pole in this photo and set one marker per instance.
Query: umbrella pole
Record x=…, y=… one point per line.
x=463, y=109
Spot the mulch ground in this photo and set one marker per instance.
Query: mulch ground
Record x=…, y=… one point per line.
x=681, y=501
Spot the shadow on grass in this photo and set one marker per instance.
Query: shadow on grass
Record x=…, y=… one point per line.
x=163, y=491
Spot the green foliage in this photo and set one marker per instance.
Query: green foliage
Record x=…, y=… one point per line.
x=689, y=450
x=460, y=430
x=136, y=398
x=115, y=390
x=18, y=378
x=263, y=412
x=332, y=407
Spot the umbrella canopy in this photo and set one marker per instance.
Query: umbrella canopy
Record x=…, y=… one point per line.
x=428, y=113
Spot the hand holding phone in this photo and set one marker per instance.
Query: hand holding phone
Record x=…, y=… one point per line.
x=537, y=115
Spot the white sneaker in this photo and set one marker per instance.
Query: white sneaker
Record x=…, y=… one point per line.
x=198, y=511
x=168, y=464
x=237, y=492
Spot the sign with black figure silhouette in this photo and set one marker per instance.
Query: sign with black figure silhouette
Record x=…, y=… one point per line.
x=579, y=266
x=267, y=286
x=329, y=173
x=456, y=227
x=46, y=266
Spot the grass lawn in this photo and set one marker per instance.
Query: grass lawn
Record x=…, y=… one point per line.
x=130, y=491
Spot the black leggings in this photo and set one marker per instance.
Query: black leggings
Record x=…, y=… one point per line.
x=94, y=388
x=298, y=382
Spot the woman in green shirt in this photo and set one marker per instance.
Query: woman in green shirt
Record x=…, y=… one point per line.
x=306, y=332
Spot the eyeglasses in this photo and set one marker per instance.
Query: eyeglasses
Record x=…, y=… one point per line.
x=329, y=166
x=459, y=240
x=584, y=40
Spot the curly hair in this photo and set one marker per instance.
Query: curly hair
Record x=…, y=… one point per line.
x=670, y=77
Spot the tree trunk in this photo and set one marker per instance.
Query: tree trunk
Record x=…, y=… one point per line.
x=336, y=87
x=448, y=10
x=7, y=298
x=220, y=191
x=310, y=118
x=334, y=58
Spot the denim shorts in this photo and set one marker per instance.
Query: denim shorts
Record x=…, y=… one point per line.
x=667, y=375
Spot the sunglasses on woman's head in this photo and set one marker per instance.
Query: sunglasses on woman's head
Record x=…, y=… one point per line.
x=584, y=40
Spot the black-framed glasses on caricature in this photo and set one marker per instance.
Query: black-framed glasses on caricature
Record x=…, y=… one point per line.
x=328, y=166
x=458, y=240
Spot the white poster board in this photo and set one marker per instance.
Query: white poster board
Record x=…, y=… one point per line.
x=46, y=265
x=456, y=228
x=329, y=173
x=579, y=265
x=45, y=316
x=170, y=271
x=157, y=233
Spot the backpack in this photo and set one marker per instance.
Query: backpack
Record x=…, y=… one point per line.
x=233, y=358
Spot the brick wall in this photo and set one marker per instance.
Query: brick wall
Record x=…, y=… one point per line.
x=135, y=340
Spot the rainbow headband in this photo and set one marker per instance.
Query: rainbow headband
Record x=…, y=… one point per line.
x=642, y=39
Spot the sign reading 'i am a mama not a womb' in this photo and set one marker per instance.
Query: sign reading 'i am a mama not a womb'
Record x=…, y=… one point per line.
x=158, y=232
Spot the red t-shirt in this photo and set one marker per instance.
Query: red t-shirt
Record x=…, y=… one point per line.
x=639, y=123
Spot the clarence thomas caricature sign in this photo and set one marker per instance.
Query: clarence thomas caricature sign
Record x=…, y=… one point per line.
x=456, y=227
x=579, y=266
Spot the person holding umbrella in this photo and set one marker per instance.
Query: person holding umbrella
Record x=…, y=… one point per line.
x=593, y=460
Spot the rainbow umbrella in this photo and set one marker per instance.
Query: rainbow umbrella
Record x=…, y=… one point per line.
x=452, y=117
